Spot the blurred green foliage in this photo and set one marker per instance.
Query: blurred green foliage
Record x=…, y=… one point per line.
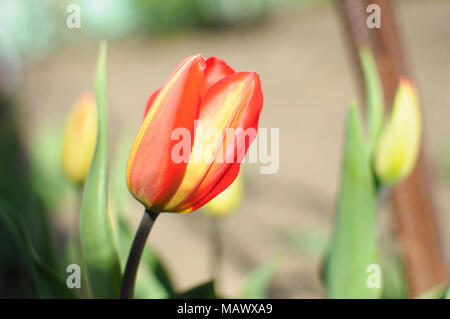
x=395, y=284
x=17, y=191
x=46, y=174
x=446, y=162
x=307, y=241
x=353, y=245
x=374, y=98
x=258, y=280
x=99, y=248
x=32, y=28
x=27, y=28
x=438, y=292
x=47, y=283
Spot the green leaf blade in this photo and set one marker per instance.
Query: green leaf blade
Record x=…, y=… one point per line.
x=353, y=246
x=374, y=97
x=257, y=282
x=437, y=292
x=47, y=283
x=100, y=253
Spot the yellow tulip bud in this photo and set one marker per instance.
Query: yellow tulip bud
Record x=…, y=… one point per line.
x=227, y=201
x=399, y=143
x=80, y=139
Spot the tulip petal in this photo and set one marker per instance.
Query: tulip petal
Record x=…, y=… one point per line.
x=399, y=143
x=80, y=139
x=150, y=101
x=153, y=177
x=234, y=102
x=216, y=69
x=225, y=180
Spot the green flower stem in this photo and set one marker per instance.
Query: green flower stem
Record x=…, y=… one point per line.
x=74, y=236
x=217, y=249
x=129, y=276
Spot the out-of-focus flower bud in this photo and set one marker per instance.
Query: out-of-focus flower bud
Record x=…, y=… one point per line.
x=399, y=143
x=226, y=202
x=80, y=138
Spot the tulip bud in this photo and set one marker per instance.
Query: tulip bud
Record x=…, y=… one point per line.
x=227, y=201
x=212, y=108
x=399, y=143
x=80, y=139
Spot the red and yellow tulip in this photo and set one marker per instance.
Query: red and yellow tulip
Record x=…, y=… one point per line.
x=80, y=139
x=207, y=92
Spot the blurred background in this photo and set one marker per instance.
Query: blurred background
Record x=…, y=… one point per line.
x=299, y=49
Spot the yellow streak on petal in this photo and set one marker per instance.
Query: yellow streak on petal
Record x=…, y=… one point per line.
x=150, y=115
x=208, y=141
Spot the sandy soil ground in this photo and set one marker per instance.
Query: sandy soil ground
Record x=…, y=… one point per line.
x=308, y=83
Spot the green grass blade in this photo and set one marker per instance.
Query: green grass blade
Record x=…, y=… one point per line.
x=157, y=272
x=374, y=97
x=353, y=245
x=257, y=282
x=99, y=249
x=311, y=242
x=152, y=280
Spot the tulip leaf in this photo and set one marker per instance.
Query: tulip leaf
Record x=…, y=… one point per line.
x=437, y=292
x=47, y=283
x=203, y=291
x=152, y=280
x=17, y=187
x=257, y=282
x=352, y=251
x=157, y=273
x=374, y=97
x=395, y=284
x=99, y=248
x=447, y=294
x=309, y=242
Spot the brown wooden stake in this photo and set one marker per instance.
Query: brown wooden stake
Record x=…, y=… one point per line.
x=413, y=206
